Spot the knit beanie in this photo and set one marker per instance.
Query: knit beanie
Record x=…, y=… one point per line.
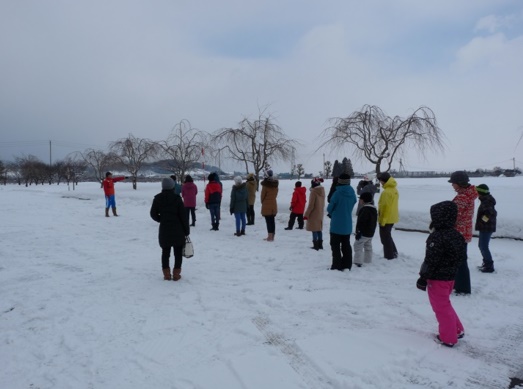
x=167, y=183
x=269, y=173
x=237, y=180
x=366, y=197
x=297, y=184
x=344, y=179
x=482, y=189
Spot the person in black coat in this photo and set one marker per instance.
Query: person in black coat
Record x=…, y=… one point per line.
x=445, y=250
x=168, y=210
x=486, y=225
x=365, y=229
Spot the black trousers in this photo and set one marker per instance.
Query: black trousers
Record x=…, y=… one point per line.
x=462, y=280
x=191, y=211
x=271, y=224
x=178, y=258
x=293, y=217
x=389, y=247
x=341, y=252
x=250, y=214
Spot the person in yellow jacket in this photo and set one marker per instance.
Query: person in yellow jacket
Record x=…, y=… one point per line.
x=388, y=214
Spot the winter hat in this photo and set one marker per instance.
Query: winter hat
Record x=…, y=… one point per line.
x=316, y=181
x=344, y=179
x=297, y=184
x=268, y=173
x=366, y=177
x=167, y=183
x=459, y=177
x=250, y=176
x=211, y=177
x=384, y=177
x=237, y=180
x=108, y=174
x=366, y=197
x=482, y=189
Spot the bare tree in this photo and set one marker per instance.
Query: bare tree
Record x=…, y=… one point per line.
x=379, y=138
x=132, y=152
x=3, y=172
x=99, y=161
x=327, y=167
x=256, y=143
x=183, y=147
x=300, y=170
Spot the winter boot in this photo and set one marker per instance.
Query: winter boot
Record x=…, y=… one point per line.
x=242, y=232
x=315, y=245
x=166, y=273
x=193, y=224
x=176, y=274
x=237, y=233
x=106, y=212
x=288, y=228
x=214, y=227
x=114, y=211
x=320, y=244
x=217, y=225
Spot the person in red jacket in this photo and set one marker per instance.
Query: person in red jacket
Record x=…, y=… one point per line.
x=466, y=194
x=108, y=185
x=299, y=198
x=213, y=199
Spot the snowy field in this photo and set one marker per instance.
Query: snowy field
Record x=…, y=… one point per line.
x=84, y=305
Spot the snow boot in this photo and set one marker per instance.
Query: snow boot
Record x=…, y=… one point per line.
x=242, y=232
x=193, y=224
x=315, y=245
x=288, y=228
x=166, y=273
x=320, y=244
x=114, y=211
x=176, y=274
x=487, y=269
x=237, y=233
x=106, y=212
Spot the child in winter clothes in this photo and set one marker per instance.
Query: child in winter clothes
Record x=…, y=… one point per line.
x=189, y=192
x=466, y=195
x=445, y=250
x=314, y=213
x=340, y=209
x=239, y=204
x=299, y=198
x=486, y=225
x=365, y=229
x=168, y=210
x=108, y=184
x=213, y=200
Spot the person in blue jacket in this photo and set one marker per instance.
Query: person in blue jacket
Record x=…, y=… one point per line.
x=340, y=212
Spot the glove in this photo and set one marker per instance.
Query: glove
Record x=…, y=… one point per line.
x=305, y=218
x=358, y=235
x=421, y=284
x=207, y=205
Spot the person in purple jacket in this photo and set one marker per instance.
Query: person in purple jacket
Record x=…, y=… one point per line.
x=189, y=192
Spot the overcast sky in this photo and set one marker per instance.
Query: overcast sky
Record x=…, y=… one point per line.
x=84, y=73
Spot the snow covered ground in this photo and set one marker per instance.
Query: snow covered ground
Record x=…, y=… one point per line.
x=83, y=303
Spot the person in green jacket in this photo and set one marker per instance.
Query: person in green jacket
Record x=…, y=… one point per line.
x=388, y=214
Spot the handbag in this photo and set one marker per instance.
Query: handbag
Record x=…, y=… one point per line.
x=188, y=248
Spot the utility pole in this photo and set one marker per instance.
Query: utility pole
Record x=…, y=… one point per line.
x=324, y=173
x=50, y=159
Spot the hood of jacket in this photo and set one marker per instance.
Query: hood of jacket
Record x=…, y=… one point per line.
x=469, y=192
x=391, y=183
x=487, y=200
x=344, y=190
x=270, y=183
x=444, y=215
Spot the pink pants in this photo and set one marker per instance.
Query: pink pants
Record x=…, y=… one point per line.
x=439, y=296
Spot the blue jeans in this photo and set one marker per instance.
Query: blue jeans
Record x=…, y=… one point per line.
x=317, y=235
x=240, y=221
x=214, y=209
x=483, y=244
